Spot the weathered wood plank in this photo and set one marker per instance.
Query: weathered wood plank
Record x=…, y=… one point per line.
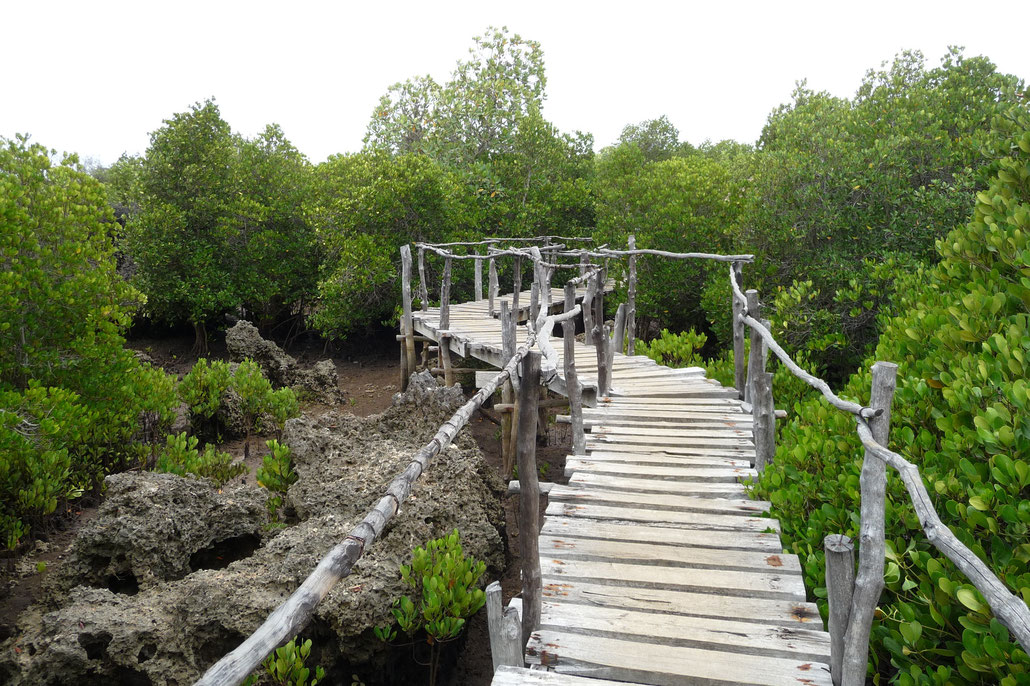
x=507, y=675
x=668, y=665
x=656, y=501
x=578, y=527
x=686, y=520
x=658, y=457
x=703, y=489
x=697, y=473
x=567, y=548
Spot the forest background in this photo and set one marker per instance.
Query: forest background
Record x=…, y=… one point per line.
x=890, y=225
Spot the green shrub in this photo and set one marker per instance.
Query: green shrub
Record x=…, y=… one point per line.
x=277, y=475
x=676, y=350
x=962, y=344
x=181, y=456
x=202, y=390
x=282, y=406
x=285, y=667
x=255, y=394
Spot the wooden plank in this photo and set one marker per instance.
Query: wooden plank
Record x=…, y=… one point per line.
x=578, y=527
x=703, y=489
x=659, y=440
x=612, y=446
x=566, y=548
x=656, y=501
x=667, y=665
x=659, y=457
x=507, y=675
x=687, y=434
x=750, y=584
x=686, y=520
x=699, y=473
x=751, y=610
x=695, y=632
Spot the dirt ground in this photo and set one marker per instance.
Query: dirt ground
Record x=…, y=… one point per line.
x=368, y=378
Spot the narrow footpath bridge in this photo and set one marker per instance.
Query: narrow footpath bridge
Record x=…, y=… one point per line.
x=656, y=566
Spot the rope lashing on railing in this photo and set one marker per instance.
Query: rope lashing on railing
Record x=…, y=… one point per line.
x=1006, y=606
x=294, y=613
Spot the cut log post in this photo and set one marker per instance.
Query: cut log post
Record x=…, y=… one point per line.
x=600, y=336
x=478, y=279
x=871, y=546
x=423, y=289
x=631, y=301
x=739, y=365
x=407, y=325
x=572, y=386
x=765, y=421
x=534, y=304
x=505, y=635
x=756, y=356
x=588, y=312
x=529, y=499
x=507, y=390
x=493, y=286
x=583, y=262
x=619, y=334
x=402, y=364
x=445, y=322
x=840, y=585
x=543, y=406
x=517, y=284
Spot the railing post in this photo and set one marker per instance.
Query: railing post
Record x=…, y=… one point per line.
x=756, y=356
x=534, y=299
x=508, y=389
x=478, y=278
x=840, y=585
x=600, y=336
x=764, y=426
x=582, y=264
x=529, y=500
x=407, y=325
x=631, y=301
x=573, y=388
x=739, y=368
x=871, y=546
x=493, y=286
x=505, y=630
x=588, y=312
x=445, y=322
x=619, y=333
x=423, y=289
x=517, y=280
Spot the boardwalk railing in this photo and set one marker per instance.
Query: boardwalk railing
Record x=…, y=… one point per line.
x=852, y=598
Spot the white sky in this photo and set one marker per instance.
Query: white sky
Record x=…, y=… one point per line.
x=97, y=77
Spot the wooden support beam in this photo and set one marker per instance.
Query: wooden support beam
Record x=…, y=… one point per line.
x=529, y=500
x=517, y=281
x=493, y=286
x=423, y=289
x=739, y=365
x=600, y=337
x=507, y=390
x=505, y=629
x=871, y=546
x=765, y=421
x=445, y=322
x=631, y=301
x=840, y=585
x=573, y=387
x=619, y=334
x=756, y=356
x=478, y=276
x=407, y=326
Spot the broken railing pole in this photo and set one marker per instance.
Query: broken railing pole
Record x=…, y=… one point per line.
x=505, y=629
x=739, y=364
x=840, y=585
x=573, y=389
x=871, y=544
x=529, y=499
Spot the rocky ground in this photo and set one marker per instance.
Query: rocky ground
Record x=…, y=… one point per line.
x=170, y=573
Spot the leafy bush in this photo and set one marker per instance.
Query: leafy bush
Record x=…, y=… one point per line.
x=181, y=456
x=676, y=350
x=962, y=346
x=286, y=666
x=282, y=406
x=277, y=475
x=202, y=390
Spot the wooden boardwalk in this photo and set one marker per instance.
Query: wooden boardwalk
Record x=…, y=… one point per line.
x=657, y=567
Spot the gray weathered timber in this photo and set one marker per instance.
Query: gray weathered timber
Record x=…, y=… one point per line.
x=507, y=390
x=505, y=630
x=520, y=676
x=445, y=321
x=871, y=545
x=529, y=498
x=765, y=421
x=288, y=619
x=600, y=337
x=574, y=388
x=423, y=288
x=493, y=287
x=618, y=334
x=518, y=285
x=756, y=355
x=739, y=369
x=840, y=585
x=631, y=300
x=1010, y=609
x=406, y=321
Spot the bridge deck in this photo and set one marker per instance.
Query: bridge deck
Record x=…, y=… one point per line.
x=657, y=567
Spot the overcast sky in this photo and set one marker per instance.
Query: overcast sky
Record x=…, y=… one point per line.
x=97, y=77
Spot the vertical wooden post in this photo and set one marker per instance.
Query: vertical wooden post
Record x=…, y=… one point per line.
x=505, y=630
x=572, y=386
x=478, y=279
x=588, y=312
x=492, y=287
x=871, y=546
x=423, y=289
x=445, y=322
x=764, y=426
x=507, y=389
x=739, y=369
x=840, y=584
x=619, y=334
x=529, y=505
x=582, y=264
x=534, y=303
x=756, y=356
x=601, y=340
x=517, y=287
x=631, y=301
x=407, y=325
